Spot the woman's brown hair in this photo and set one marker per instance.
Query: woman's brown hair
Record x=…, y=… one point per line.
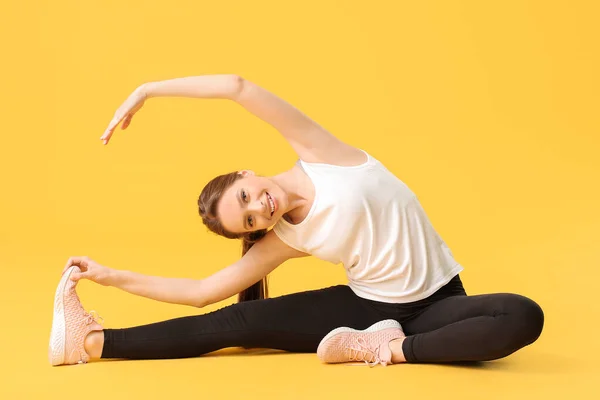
x=207, y=208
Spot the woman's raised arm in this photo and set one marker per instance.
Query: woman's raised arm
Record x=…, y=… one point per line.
x=311, y=142
x=208, y=87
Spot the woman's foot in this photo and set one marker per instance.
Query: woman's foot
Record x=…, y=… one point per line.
x=371, y=345
x=71, y=324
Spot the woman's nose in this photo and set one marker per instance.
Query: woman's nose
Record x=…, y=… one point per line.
x=257, y=206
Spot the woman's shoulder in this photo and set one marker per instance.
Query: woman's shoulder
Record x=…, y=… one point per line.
x=339, y=154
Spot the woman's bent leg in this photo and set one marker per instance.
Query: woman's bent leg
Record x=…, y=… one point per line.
x=295, y=322
x=472, y=328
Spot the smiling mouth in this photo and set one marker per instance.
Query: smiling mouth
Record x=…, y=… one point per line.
x=271, y=204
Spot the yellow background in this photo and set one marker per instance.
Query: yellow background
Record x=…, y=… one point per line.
x=487, y=110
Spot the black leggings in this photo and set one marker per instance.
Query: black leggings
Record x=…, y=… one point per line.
x=445, y=327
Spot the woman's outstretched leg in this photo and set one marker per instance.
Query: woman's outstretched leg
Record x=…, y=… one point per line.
x=295, y=322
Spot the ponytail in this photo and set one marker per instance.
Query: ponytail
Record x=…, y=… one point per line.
x=259, y=290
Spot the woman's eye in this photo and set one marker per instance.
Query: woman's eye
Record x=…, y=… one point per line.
x=244, y=195
x=250, y=222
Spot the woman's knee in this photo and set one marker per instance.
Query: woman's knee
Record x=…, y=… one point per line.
x=526, y=318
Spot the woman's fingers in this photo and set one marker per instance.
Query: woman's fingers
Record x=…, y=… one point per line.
x=126, y=121
x=134, y=102
x=109, y=131
x=69, y=264
x=80, y=262
x=78, y=275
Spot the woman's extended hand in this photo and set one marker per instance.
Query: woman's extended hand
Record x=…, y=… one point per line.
x=134, y=102
x=90, y=269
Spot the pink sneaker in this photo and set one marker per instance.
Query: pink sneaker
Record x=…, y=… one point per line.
x=369, y=345
x=70, y=325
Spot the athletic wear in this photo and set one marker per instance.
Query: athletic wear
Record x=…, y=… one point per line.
x=398, y=269
x=70, y=324
x=447, y=326
x=371, y=345
x=370, y=221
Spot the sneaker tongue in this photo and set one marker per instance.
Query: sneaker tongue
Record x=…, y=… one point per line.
x=94, y=326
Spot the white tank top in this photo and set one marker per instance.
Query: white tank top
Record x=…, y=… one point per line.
x=370, y=221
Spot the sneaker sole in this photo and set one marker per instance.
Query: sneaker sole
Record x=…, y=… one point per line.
x=385, y=324
x=56, y=348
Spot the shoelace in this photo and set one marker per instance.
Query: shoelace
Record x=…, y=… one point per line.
x=90, y=316
x=93, y=316
x=360, y=351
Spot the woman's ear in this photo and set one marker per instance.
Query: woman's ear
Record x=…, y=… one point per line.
x=246, y=172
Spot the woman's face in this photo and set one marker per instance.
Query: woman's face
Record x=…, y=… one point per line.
x=247, y=205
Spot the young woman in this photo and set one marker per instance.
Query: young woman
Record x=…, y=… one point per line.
x=404, y=301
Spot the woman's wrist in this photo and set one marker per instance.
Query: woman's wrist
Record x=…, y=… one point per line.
x=114, y=276
x=144, y=90
x=148, y=89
